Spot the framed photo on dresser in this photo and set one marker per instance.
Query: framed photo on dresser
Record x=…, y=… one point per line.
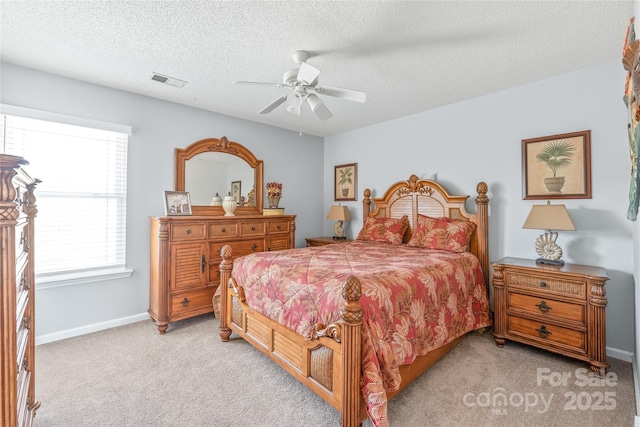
x=177, y=203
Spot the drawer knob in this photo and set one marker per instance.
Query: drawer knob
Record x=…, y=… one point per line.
x=277, y=227
x=543, y=307
x=253, y=229
x=185, y=302
x=543, y=284
x=254, y=247
x=189, y=231
x=224, y=230
x=543, y=332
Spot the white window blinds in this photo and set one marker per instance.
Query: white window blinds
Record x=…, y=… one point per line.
x=81, y=221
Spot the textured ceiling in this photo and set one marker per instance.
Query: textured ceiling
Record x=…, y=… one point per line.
x=407, y=56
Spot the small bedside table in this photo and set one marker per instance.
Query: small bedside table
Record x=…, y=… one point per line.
x=557, y=308
x=324, y=240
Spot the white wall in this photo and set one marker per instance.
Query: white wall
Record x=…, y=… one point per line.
x=158, y=127
x=480, y=140
x=464, y=143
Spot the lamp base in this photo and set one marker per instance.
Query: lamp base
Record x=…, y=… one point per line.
x=549, y=261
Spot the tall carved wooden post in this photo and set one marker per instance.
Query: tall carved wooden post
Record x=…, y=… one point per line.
x=597, y=347
x=366, y=204
x=225, y=274
x=482, y=217
x=351, y=314
x=499, y=307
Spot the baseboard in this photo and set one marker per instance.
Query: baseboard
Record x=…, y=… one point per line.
x=616, y=353
x=636, y=383
x=70, y=333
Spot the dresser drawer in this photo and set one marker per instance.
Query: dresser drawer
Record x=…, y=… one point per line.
x=278, y=226
x=187, y=231
x=197, y=300
x=22, y=340
x=223, y=230
x=24, y=378
x=549, y=284
x=238, y=248
x=546, y=307
x=252, y=228
x=21, y=239
x=547, y=333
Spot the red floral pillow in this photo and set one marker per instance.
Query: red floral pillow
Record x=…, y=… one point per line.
x=388, y=230
x=442, y=233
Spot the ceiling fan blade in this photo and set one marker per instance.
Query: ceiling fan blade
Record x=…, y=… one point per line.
x=348, y=94
x=273, y=105
x=240, y=82
x=318, y=107
x=307, y=73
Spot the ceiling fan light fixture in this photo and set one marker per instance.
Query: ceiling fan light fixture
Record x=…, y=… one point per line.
x=318, y=107
x=294, y=101
x=313, y=101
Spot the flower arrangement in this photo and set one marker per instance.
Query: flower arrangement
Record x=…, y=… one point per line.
x=274, y=189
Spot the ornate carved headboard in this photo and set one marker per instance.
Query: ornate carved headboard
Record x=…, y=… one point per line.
x=421, y=196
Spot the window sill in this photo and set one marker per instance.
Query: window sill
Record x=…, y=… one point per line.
x=82, y=278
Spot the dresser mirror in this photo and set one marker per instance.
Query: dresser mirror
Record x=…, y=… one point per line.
x=211, y=167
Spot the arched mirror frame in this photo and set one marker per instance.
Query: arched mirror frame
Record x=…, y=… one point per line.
x=222, y=145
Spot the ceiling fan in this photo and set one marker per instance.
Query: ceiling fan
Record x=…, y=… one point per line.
x=303, y=82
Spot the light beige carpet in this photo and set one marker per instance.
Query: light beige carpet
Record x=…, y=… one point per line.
x=132, y=376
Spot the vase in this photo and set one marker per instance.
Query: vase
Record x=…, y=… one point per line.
x=273, y=201
x=229, y=205
x=216, y=200
x=555, y=184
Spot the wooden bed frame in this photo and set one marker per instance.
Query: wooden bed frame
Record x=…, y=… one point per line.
x=330, y=363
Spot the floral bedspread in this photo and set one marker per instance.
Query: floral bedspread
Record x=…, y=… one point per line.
x=414, y=300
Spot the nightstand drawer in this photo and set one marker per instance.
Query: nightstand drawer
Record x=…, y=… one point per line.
x=546, y=307
x=545, y=332
x=550, y=284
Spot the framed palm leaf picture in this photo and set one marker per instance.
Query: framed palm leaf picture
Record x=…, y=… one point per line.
x=345, y=182
x=557, y=167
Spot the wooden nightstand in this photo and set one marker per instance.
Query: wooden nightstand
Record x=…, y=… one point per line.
x=557, y=308
x=324, y=240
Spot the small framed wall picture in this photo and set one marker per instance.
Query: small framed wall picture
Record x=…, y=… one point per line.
x=345, y=182
x=236, y=190
x=177, y=203
x=557, y=167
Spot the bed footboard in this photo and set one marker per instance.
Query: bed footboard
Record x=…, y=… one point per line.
x=329, y=364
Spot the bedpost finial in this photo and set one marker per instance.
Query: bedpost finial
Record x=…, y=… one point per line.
x=225, y=252
x=367, y=193
x=351, y=311
x=482, y=188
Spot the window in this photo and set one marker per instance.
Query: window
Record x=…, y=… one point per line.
x=81, y=221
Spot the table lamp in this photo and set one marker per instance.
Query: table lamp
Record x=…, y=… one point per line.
x=339, y=213
x=549, y=217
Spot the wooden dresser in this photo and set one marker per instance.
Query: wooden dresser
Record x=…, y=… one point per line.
x=17, y=375
x=185, y=258
x=558, y=308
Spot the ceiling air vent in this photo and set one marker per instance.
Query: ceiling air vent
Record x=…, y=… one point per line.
x=168, y=80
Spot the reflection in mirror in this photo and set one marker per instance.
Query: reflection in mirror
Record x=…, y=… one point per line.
x=211, y=173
